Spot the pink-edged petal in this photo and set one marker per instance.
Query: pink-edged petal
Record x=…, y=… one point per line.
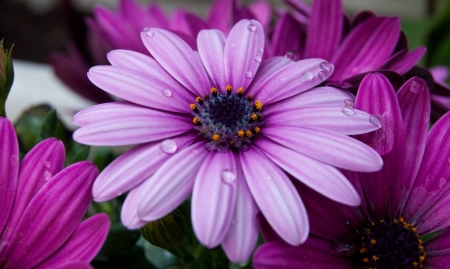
x=325, y=29
x=315, y=253
x=366, y=48
x=242, y=235
x=52, y=215
x=171, y=184
x=340, y=119
x=244, y=48
x=275, y=196
x=293, y=79
x=136, y=165
x=154, y=88
x=323, y=178
x=327, y=147
x=403, y=61
x=84, y=243
x=126, y=124
x=211, y=44
x=129, y=213
x=214, y=198
x=9, y=170
x=286, y=36
x=325, y=96
x=178, y=59
x=74, y=265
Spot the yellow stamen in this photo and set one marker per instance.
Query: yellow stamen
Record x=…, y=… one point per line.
x=248, y=133
x=362, y=250
x=240, y=90
x=375, y=258
x=193, y=106
x=216, y=137
x=365, y=260
x=254, y=117
x=257, y=129
x=229, y=88
x=258, y=105
x=195, y=120
x=241, y=133
x=213, y=91
x=373, y=242
x=198, y=99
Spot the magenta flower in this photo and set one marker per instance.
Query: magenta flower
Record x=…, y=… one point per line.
x=220, y=126
x=365, y=44
x=408, y=198
x=42, y=205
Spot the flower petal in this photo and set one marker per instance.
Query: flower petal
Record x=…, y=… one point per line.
x=74, y=265
x=327, y=147
x=214, y=198
x=211, y=44
x=267, y=68
x=172, y=183
x=154, y=88
x=293, y=79
x=286, y=36
x=243, y=53
x=84, y=243
x=276, y=197
x=129, y=212
x=136, y=165
x=52, y=215
x=322, y=178
x=178, y=59
x=242, y=235
x=403, y=61
x=325, y=29
x=119, y=123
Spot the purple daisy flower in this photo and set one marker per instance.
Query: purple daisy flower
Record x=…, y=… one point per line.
x=408, y=198
x=42, y=205
x=216, y=124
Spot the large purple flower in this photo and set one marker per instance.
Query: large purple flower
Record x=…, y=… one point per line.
x=220, y=126
x=408, y=198
x=42, y=205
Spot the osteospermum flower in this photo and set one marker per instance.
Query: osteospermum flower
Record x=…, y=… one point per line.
x=405, y=200
x=220, y=126
x=42, y=205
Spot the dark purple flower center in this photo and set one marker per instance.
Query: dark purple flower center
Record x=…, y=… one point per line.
x=228, y=120
x=383, y=244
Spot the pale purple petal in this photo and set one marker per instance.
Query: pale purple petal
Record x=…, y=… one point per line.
x=83, y=245
x=293, y=79
x=322, y=178
x=52, y=215
x=136, y=165
x=242, y=235
x=276, y=197
x=366, y=48
x=244, y=48
x=325, y=29
x=172, y=183
x=117, y=123
x=211, y=44
x=154, y=88
x=129, y=212
x=267, y=68
x=403, y=61
x=214, y=198
x=327, y=147
x=342, y=119
x=439, y=73
x=178, y=59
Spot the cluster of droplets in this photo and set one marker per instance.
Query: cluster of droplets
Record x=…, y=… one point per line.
x=47, y=173
x=349, y=110
x=228, y=120
x=384, y=244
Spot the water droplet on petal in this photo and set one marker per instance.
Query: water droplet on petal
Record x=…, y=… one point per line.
x=322, y=75
x=168, y=146
x=348, y=110
x=251, y=27
x=167, y=93
x=257, y=59
x=269, y=177
x=228, y=176
x=150, y=33
x=260, y=50
x=47, y=164
x=325, y=66
x=415, y=87
x=146, y=29
x=249, y=74
x=375, y=121
x=233, y=45
x=426, y=118
x=47, y=175
x=348, y=102
x=292, y=54
x=307, y=76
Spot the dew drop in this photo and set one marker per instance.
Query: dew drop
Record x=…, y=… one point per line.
x=307, y=76
x=249, y=74
x=375, y=121
x=47, y=164
x=168, y=146
x=260, y=50
x=269, y=177
x=167, y=93
x=342, y=247
x=146, y=29
x=292, y=54
x=415, y=87
x=257, y=59
x=326, y=66
x=233, y=45
x=47, y=175
x=228, y=177
x=322, y=75
x=426, y=118
x=150, y=33
x=348, y=110
x=251, y=27
x=348, y=102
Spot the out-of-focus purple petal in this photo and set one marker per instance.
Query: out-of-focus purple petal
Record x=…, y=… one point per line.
x=286, y=36
x=243, y=53
x=52, y=215
x=211, y=44
x=438, y=249
x=126, y=124
x=129, y=213
x=324, y=29
x=83, y=245
x=439, y=73
x=262, y=12
x=177, y=58
x=275, y=196
x=74, y=265
x=218, y=15
x=214, y=198
x=403, y=61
